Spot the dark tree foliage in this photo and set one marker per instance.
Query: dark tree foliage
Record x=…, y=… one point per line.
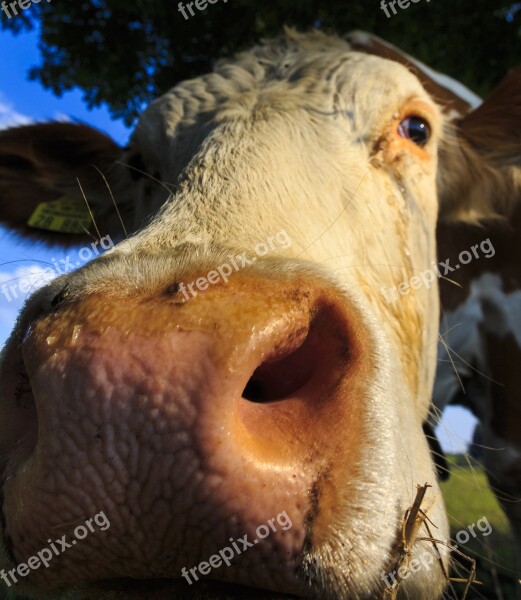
x=126, y=52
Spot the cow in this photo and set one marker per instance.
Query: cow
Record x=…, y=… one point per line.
x=479, y=354
x=480, y=330
x=234, y=358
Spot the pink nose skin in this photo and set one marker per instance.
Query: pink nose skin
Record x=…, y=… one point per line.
x=189, y=424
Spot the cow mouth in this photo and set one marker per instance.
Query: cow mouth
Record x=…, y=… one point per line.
x=157, y=589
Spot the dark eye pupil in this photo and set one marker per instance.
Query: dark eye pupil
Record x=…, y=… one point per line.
x=415, y=129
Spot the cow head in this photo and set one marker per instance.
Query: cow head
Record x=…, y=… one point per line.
x=237, y=361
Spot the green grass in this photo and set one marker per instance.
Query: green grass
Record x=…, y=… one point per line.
x=468, y=498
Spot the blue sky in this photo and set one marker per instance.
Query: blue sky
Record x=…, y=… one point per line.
x=22, y=101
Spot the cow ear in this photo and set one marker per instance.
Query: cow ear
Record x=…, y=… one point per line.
x=50, y=172
x=480, y=157
x=494, y=128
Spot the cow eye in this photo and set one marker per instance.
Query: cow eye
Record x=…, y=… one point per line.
x=416, y=129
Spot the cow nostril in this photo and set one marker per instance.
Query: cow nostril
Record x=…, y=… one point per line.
x=253, y=391
x=283, y=376
x=311, y=362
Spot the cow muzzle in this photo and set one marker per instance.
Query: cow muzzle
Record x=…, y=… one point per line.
x=233, y=418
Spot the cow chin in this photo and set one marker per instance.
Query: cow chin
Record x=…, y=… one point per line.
x=425, y=588
x=192, y=424
x=169, y=590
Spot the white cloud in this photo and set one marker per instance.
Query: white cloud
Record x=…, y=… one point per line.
x=10, y=117
x=62, y=117
x=12, y=298
x=18, y=284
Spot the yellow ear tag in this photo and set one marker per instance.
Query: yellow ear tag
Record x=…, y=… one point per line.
x=65, y=215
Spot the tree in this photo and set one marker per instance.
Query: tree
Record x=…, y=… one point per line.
x=127, y=52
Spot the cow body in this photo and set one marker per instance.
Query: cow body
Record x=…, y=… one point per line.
x=293, y=387
x=480, y=349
